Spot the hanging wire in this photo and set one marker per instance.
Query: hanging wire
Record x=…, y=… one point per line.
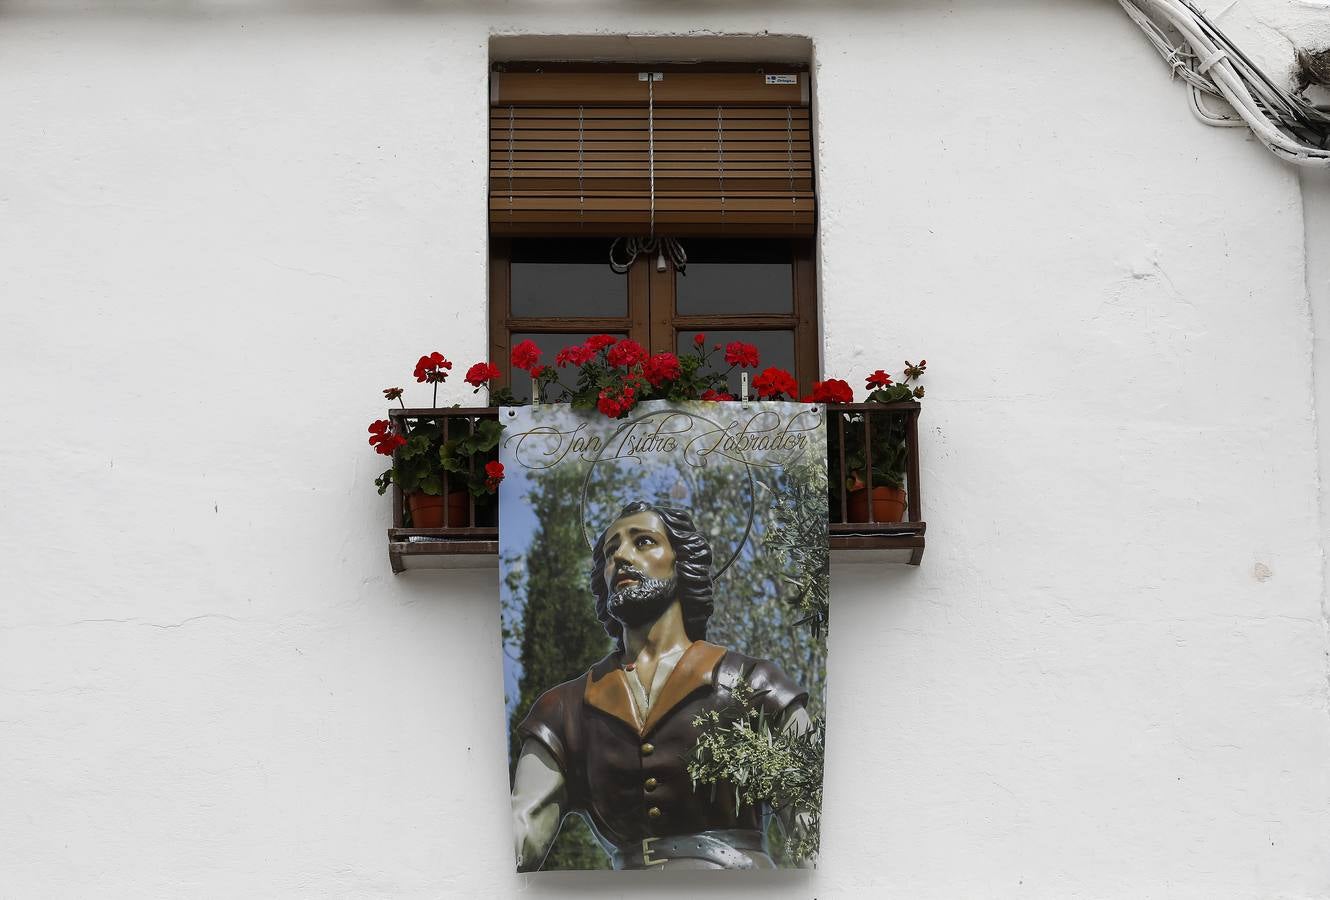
x=1288, y=124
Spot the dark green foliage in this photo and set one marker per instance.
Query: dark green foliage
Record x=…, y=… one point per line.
x=799, y=538
x=415, y=464
x=465, y=456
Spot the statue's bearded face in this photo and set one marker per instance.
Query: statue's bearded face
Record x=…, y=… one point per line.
x=639, y=568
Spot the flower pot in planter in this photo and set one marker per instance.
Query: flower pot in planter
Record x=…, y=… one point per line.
x=888, y=505
x=427, y=509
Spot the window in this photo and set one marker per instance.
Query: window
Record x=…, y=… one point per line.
x=560, y=291
x=719, y=160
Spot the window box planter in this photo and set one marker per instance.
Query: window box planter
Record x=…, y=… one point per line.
x=474, y=542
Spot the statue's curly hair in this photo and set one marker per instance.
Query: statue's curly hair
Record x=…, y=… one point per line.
x=692, y=568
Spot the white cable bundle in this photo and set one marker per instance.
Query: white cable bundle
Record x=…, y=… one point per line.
x=1291, y=127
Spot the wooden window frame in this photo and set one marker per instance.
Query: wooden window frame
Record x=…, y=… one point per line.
x=653, y=319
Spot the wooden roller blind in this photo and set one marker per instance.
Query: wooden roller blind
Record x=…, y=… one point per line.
x=636, y=153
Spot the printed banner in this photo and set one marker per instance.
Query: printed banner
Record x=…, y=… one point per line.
x=664, y=588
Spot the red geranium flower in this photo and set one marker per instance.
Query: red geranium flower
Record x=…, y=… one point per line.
x=383, y=439
x=432, y=368
x=537, y=371
x=627, y=352
x=493, y=474
x=576, y=355
x=481, y=373
x=774, y=382
x=599, y=342
x=745, y=356
x=699, y=339
x=525, y=355
x=878, y=379
x=710, y=394
x=833, y=390
x=614, y=404
x=661, y=368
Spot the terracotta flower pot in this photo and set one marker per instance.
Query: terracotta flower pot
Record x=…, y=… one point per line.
x=427, y=509
x=888, y=505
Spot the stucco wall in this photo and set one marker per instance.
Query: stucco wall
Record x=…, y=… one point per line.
x=224, y=227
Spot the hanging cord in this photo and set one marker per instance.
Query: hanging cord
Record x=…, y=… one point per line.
x=789, y=163
x=581, y=185
x=1289, y=126
x=510, y=165
x=651, y=145
x=624, y=250
x=720, y=156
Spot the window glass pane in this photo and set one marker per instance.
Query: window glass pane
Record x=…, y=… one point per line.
x=736, y=277
x=565, y=277
x=549, y=344
x=776, y=348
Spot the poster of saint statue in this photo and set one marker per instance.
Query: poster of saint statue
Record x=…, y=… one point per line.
x=664, y=588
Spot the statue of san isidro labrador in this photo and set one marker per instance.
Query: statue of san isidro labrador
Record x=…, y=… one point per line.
x=611, y=744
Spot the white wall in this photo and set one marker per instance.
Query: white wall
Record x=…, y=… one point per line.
x=225, y=226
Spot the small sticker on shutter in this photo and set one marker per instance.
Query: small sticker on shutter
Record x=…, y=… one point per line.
x=782, y=79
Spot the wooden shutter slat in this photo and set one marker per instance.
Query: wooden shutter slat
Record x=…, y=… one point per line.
x=705, y=184
x=667, y=118
x=639, y=113
x=719, y=226
x=681, y=210
x=599, y=127
x=671, y=199
x=519, y=146
x=559, y=179
x=661, y=135
x=662, y=167
x=662, y=156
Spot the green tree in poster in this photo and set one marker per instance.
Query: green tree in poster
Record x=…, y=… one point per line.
x=559, y=636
